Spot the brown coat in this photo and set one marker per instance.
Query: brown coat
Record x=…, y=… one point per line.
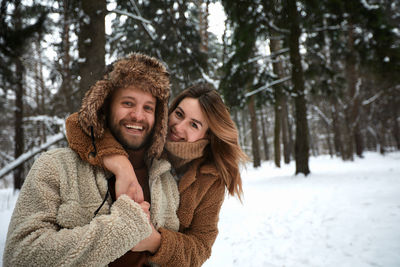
x=201, y=195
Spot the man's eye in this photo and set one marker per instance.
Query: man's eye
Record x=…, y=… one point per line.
x=149, y=108
x=127, y=104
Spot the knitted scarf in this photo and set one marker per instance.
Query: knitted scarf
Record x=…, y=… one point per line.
x=181, y=153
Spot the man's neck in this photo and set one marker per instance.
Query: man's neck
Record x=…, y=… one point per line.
x=136, y=157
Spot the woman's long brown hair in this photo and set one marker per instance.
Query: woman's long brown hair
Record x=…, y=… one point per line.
x=225, y=152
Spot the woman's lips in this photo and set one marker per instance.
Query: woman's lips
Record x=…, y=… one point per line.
x=173, y=137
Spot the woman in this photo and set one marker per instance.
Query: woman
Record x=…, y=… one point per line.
x=202, y=146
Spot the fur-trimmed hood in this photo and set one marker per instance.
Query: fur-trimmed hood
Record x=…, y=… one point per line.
x=136, y=69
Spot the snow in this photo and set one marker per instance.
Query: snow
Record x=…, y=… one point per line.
x=262, y=88
x=342, y=214
x=27, y=155
x=369, y=6
x=7, y=203
x=216, y=20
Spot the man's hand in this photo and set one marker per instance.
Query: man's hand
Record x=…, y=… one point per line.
x=125, y=178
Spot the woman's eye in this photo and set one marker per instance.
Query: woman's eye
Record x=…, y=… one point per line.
x=178, y=114
x=194, y=125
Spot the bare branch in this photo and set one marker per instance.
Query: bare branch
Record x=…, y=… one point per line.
x=265, y=87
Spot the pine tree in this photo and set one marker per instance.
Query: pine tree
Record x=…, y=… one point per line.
x=91, y=43
x=15, y=36
x=168, y=30
x=302, y=134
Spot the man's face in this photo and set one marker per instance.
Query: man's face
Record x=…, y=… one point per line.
x=131, y=119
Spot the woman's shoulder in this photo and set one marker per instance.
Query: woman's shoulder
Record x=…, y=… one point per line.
x=208, y=169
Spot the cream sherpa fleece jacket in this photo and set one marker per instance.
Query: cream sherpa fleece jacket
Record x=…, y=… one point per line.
x=53, y=224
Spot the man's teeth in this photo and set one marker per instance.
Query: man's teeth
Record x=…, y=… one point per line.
x=136, y=127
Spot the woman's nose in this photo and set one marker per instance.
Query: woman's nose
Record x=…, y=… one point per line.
x=180, y=129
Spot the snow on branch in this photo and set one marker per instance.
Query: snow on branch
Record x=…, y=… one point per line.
x=265, y=87
x=369, y=6
x=145, y=26
x=130, y=15
x=322, y=115
x=372, y=99
x=276, y=28
x=326, y=28
x=27, y=155
x=274, y=54
x=215, y=83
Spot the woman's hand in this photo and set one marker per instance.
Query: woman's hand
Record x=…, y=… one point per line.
x=151, y=244
x=126, y=181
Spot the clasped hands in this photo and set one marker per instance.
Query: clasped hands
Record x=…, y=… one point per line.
x=126, y=183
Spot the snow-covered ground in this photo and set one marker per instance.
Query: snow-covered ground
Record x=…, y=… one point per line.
x=343, y=214
x=7, y=203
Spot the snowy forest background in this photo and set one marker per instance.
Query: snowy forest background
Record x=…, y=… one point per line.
x=301, y=78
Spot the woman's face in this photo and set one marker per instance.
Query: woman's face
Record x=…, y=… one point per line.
x=187, y=122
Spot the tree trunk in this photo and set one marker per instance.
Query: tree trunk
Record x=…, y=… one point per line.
x=19, y=102
x=277, y=132
x=66, y=86
x=245, y=127
x=254, y=133
x=203, y=25
x=395, y=124
x=381, y=138
x=290, y=133
x=264, y=134
x=358, y=140
x=329, y=142
x=285, y=130
x=302, y=135
x=19, y=130
x=337, y=140
x=281, y=108
x=91, y=42
x=277, y=67
x=40, y=93
x=353, y=102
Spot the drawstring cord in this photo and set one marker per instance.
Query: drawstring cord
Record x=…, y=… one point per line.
x=94, y=153
x=104, y=201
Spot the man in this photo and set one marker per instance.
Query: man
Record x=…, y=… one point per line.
x=60, y=218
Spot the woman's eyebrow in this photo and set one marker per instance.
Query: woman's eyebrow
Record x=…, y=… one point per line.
x=180, y=110
x=197, y=121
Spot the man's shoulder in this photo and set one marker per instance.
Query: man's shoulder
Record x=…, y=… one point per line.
x=63, y=156
x=63, y=152
x=63, y=159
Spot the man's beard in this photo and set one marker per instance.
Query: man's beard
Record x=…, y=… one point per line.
x=129, y=143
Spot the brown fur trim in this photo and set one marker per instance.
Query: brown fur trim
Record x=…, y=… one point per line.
x=136, y=69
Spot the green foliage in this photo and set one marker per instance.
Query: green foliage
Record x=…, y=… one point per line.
x=172, y=35
x=239, y=72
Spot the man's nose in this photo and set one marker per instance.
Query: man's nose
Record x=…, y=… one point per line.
x=137, y=114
